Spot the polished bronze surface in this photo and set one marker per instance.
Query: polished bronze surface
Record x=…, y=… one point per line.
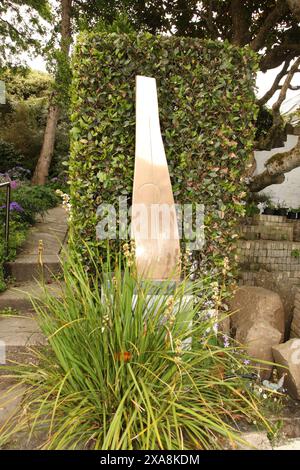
x=154, y=224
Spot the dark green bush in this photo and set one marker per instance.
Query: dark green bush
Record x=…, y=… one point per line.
x=17, y=236
x=34, y=200
x=27, y=202
x=23, y=122
x=206, y=103
x=9, y=156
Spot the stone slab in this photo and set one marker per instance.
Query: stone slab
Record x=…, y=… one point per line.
x=19, y=297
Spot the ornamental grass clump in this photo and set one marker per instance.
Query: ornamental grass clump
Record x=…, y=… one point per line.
x=130, y=365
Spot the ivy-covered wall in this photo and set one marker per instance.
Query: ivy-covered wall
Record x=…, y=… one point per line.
x=206, y=102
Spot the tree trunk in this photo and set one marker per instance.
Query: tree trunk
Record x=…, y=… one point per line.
x=240, y=23
x=45, y=157
x=294, y=6
x=276, y=166
x=44, y=161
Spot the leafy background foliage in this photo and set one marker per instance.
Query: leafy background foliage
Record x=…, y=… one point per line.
x=20, y=24
x=23, y=120
x=206, y=103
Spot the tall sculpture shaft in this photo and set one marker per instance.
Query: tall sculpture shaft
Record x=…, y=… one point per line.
x=154, y=222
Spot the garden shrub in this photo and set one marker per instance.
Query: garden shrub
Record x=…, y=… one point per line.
x=23, y=130
x=206, y=105
x=17, y=236
x=34, y=200
x=124, y=375
x=25, y=84
x=23, y=121
x=9, y=156
x=26, y=203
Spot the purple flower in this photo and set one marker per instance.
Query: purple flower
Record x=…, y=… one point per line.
x=246, y=362
x=14, y=206
x=14, y=184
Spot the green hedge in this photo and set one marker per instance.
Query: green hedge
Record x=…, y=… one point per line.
x=207, y=111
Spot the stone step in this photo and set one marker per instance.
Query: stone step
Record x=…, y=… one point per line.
x=249, y=277
x=27, y=268
x=263, y=232
x=10, y=400
x=17, y=335
x=268, y=219
x=50, y=229
x=18, y=297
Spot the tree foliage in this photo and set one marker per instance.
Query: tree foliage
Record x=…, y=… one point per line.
x=268, y=26
x=21, y=27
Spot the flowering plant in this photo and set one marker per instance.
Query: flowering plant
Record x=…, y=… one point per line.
x=127, y=367
x=14, y=206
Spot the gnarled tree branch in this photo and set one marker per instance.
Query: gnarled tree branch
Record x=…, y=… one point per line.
x=282, y=95
x=264, y=180
x=276, y=167
x=271, y=20
x=266, y=142
x=294, y=87
x=264, y=99
x=278, y=54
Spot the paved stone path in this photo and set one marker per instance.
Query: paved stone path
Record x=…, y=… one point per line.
x=18, y=331
x=21, y=331
x=51, y=230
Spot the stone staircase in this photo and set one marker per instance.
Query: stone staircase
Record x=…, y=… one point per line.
x=20, y=332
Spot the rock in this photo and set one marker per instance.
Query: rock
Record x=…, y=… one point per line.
x=258, y=323
x=255, y=441
x=280, y=283
x=288, y=356
x=295, y=327
x=253, y=304
x=258, y=341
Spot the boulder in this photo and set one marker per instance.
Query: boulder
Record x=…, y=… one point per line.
x=287, y=355
x=295, y=327
x=258, y=341
x=280, y=283
x=258, y=323
x=252, y=304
